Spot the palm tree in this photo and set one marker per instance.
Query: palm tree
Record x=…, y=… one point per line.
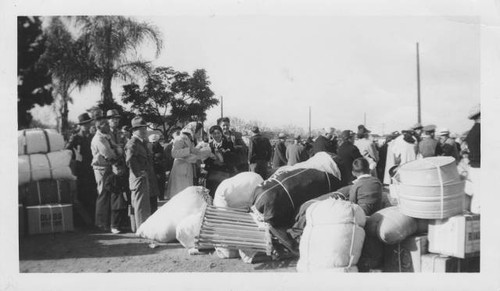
x=111, y=41
x=66, y=60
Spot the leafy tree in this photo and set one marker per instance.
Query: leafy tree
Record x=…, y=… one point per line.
x=111, y=41
x=170, y=97
x=34, y=83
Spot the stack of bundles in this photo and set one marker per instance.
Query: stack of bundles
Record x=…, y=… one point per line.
x=430, y=188
x=280, y=197
x=46, y=184
x=333, y=237
x=236, y=192
x=187, y=205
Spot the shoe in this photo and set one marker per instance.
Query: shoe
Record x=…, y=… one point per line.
x=115, y=231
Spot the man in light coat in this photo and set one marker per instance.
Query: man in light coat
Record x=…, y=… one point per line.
x=104, y=155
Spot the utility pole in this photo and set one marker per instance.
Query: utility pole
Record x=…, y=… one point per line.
x=309, y=120
x=419, y=119
x=221, y=106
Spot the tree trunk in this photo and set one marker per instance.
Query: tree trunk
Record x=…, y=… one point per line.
x=107, y=95
x=64, y=116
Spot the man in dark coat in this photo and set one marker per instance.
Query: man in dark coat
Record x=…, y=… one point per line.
x=429, y=146
x=325, y=142
x=259, y=153
x=240, y=148
x=473, y=141
x=79, y=144
x=279, y=157
x=347, y=152
x=140, y=162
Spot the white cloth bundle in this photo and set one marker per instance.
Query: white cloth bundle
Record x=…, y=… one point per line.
x=36, y=167
x=237, y=191
x=320, y=161
x=37, y=140
x=162, y=225
x=333, y=237
x=188, y=228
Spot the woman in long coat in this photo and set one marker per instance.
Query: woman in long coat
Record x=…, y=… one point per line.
x=184, y=154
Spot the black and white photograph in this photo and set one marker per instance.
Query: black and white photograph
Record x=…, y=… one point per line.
x=237, y=145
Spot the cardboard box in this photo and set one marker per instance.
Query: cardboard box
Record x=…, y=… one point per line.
x=50, y=218
x=405, y=256
x=436, y=263
x=47, y=192
x=457, y=236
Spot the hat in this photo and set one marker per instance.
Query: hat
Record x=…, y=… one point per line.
x=112, y=113
x=154, y=137
x=84, y=118
x=443, y=131
x=138, y=122
x=417, y=125
x=281, y=135
x=346, y=134
x=474, y=112
x=363, y=129
x=255, y=129
x=429, y=128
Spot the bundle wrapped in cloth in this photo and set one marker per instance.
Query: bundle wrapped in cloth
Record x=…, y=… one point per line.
x=162, y=225
x=37, y=140
x=333, y=237
x=321, y=161
x=279, y=197
x=53, y=165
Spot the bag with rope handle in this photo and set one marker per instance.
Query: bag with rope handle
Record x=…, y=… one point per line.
x=280, y=197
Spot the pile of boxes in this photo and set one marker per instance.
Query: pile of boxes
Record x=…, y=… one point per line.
x=450, y=245
x=46, y=206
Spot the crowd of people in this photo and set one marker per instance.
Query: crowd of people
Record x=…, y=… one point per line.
x=124, y=172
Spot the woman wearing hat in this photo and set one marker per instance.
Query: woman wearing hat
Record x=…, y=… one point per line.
x=79, y=144
x=221, y=164
x=184, y=154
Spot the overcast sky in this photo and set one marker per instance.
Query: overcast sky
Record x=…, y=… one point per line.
x=271, y=68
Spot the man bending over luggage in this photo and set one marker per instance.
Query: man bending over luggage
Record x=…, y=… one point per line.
x=366, y=190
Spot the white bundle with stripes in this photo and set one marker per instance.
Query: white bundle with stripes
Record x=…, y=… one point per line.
x=333, y=237
x=320, y=161
x=37, y=140
x=36, y=167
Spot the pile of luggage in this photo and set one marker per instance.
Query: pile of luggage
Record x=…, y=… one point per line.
x=47, y=186
x=430, y=230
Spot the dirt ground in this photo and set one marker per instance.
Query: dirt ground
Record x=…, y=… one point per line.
x=89, y=251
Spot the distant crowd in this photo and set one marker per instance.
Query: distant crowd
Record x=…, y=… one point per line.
x=125, y=171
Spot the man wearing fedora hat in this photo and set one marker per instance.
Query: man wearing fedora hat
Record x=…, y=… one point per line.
x=139, y=159
x=279, y=156
x=79, y=144
x=104, y=156
x=448, y=146
x=117, y=137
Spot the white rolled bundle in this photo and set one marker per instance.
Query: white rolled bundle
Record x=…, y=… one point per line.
x=333, y=237
x=36, y=167
x=37, y=140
